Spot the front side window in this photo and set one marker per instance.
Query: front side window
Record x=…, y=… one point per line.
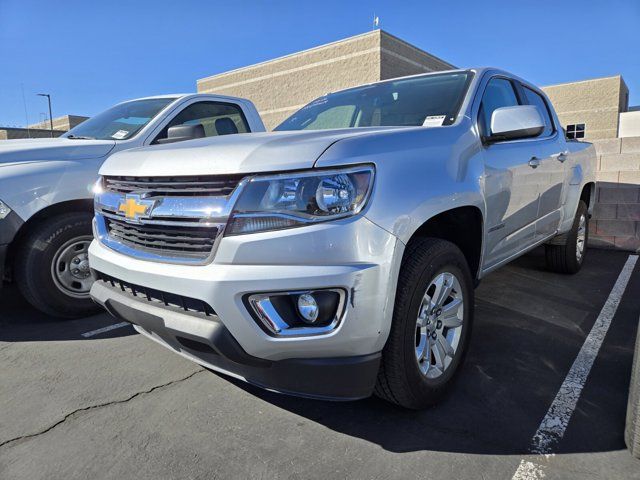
x=499, y=93
x=216, y=118
x=534, y=98
x=432, y=100
x=120, y=122
x=575, y=131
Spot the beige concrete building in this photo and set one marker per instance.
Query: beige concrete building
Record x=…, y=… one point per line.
x=281, y=86
x=14, y=133
x=41, y=130
x=64, y=123
x=590, y=109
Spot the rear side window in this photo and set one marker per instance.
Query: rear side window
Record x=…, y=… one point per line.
x=216, y=118
x=534, y=98
x=499, y=93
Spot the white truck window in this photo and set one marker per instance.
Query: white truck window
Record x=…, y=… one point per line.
x=534, y=98
x=120, y=122
x=499, y=93
x=217, y=119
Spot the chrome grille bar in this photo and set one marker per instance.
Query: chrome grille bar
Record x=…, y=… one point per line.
x=173, y=186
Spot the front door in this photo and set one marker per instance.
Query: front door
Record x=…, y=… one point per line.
x=511, y=182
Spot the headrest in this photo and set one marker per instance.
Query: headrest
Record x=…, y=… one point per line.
x=226, y=126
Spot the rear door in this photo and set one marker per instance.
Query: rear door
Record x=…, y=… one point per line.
x=511, y=180
x=548, y=148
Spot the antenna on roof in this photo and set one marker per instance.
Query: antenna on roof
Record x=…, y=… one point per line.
x=376, y=22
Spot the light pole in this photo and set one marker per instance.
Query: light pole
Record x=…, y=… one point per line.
x=50, y=117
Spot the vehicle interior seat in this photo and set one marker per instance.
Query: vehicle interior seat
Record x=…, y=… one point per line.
x=225, y=126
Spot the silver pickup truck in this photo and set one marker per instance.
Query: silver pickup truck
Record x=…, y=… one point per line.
x=46, y=201
x=337, y=256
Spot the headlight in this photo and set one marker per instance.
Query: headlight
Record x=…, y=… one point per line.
x=4, y=210
x=294, y=200
x=97, y=188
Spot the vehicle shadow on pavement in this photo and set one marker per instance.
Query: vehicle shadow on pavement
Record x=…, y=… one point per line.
x=530, y=325
x=20, y=322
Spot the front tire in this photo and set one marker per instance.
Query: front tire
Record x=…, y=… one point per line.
x=431, y=325
x=51, y=267
x=569, y=256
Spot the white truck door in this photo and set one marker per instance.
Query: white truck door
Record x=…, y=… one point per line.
x=511, y=182
x=549, y=148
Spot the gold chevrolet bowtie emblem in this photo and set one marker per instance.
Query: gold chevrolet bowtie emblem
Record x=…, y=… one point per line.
x=133, y=207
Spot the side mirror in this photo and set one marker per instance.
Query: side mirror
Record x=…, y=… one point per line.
x=178, y=133
x=520, y=121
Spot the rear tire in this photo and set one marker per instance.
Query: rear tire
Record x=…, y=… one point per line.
x=434, y=305
x=51, y=266
x=569, y=256
x=632, y=430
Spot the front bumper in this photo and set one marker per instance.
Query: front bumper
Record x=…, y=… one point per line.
x=9, y=227
x=346, y=378
x=355, y=255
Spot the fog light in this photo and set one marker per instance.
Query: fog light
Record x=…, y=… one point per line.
x=297, y=313
x=308, y=308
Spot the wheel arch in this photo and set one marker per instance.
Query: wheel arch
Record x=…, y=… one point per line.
x=70, y=206
x=588, y=195
x=462, y=226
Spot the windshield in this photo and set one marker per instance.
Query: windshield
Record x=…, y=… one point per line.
x=120, y=122
x=431, y=100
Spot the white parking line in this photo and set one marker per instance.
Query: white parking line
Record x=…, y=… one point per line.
x=554, y=424
x=105, y=329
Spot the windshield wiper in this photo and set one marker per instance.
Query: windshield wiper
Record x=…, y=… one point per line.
x=80, y=137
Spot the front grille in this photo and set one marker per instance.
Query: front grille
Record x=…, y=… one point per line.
x=201, y=186
x=169, y=300
x=166, y=240
x=184, y=215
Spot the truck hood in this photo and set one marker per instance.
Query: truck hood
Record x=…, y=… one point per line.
x=39, y=150
x=231, y=154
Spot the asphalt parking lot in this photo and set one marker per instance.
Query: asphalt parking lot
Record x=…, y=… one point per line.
x=116, y=405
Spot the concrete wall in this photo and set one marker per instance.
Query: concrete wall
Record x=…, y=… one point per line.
x=399, y=58
x=616, y=220
x=8, y=133
x=629, y=124
x=597, y=103
x=281, y=86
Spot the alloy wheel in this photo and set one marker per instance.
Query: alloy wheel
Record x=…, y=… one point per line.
x=439, y=325
x=580, y=240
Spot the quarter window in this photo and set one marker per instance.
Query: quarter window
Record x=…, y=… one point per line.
x=534, y=98
x=575, y=131
x=499, y=93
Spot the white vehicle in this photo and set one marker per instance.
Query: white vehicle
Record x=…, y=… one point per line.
x=337, y=256
x=46, y=202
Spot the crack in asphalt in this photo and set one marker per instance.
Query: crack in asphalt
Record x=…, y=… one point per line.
x=100, y=405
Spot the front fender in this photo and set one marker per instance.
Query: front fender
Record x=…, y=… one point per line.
x=28, y=188
x=420, y=173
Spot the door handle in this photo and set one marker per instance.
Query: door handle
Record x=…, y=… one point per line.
x=534, y=162
x=561, y=157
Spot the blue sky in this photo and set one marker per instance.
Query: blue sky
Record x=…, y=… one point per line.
x=92, y=54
